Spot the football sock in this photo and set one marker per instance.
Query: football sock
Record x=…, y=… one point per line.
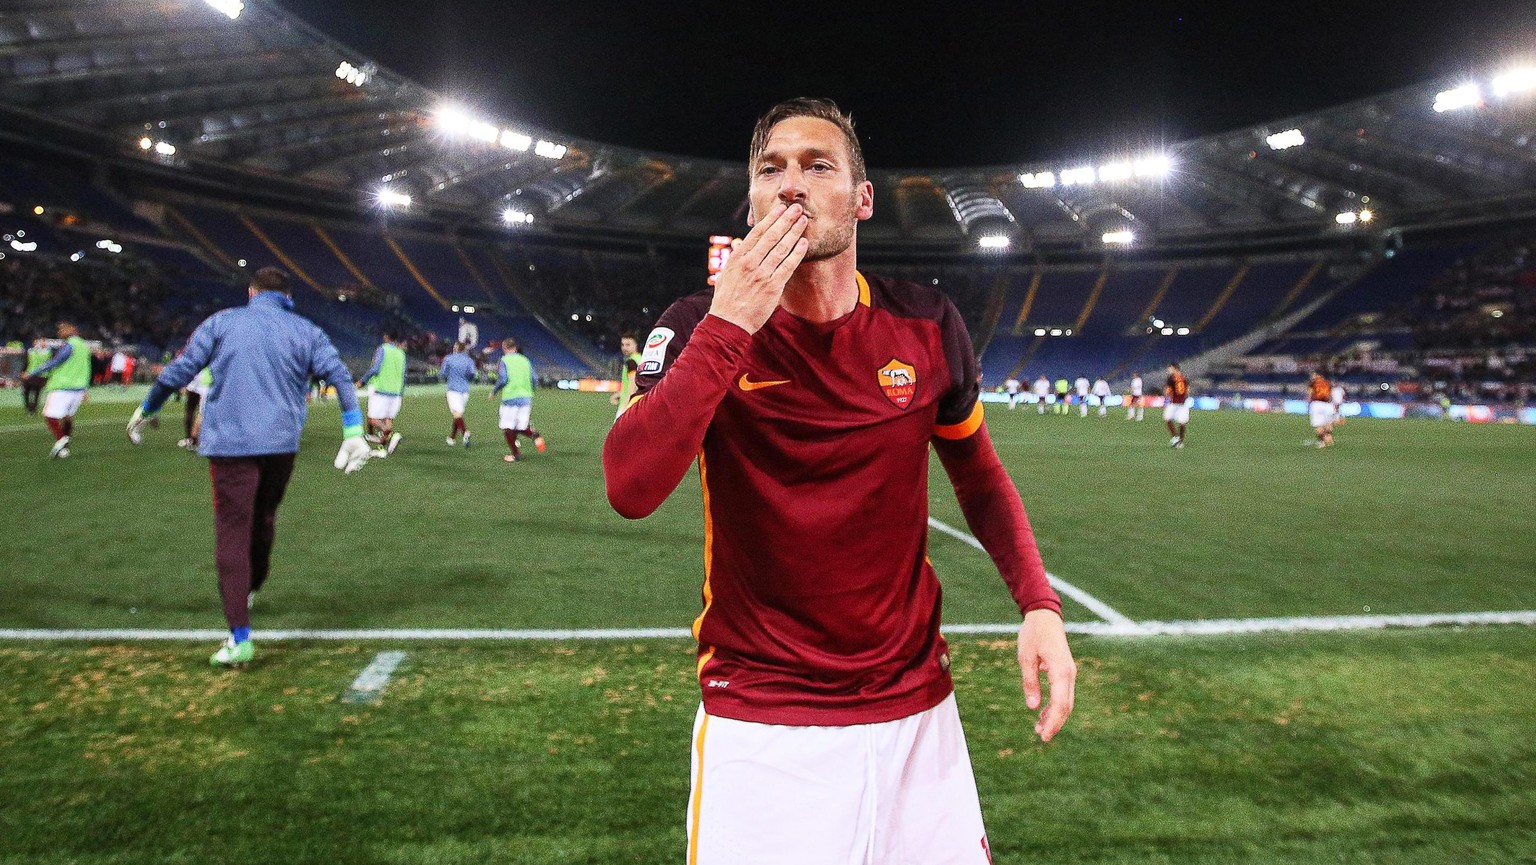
x=69, y=425
x=56, y=428
x=240, y=634
x=511, y=435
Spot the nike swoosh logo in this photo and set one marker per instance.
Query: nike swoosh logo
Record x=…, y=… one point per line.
x=747, y=384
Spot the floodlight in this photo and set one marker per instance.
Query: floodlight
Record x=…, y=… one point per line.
x=1157, y=322
x=512, y=216
x=1458, y=97
x=1167, y=331
x=38, y=210
x=391, y=198
x=1366, y=216
x=483, y=132
x=1039, y=331
x=231, y=8
x=1038, y=180
x=1078, y=176
x=1348, y=217
x=1515, y=81
x=993, y=241
x=1055, y=331
x=1124, y=237
x=76, y=256
x=146, y=143
x=1183, y=331
x=241, y=262
x=165, y=148
x=1115, y=171
x=453, y=121
x=1286, y=140
x=1154, y=166
x=549, y=150
x=24, y=245
x=515, y=141
x=469, y=309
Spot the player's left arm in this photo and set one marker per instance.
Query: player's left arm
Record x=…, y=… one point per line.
x=54, y=362
x=176, y=375
x=995, y=515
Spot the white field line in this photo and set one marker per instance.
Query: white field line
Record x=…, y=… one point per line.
x=41, y=425
x=1099, y=608
x=369, y=684
x=1189, y=627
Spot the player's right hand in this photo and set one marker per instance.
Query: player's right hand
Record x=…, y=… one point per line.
x=752, y=282
x=353, y=455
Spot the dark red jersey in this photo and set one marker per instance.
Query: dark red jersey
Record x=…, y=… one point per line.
x=820, y=604
x=1177, y=388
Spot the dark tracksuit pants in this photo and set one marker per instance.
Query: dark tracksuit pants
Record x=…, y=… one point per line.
x=246, y=493
x=31, y=395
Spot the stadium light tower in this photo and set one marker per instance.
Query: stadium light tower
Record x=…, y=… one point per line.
x=1286, y=140
x=994, y=242
x=453, y=120
x=1465, y=96
x=391, y=198
x=1515, y=81
x=230, y=8
x=1122, y=237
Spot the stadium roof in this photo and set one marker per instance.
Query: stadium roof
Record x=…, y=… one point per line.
x=217, y=86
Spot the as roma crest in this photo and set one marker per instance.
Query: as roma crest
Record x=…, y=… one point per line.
x=899, y=381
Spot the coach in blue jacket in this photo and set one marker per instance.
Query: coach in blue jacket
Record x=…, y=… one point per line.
x=262, y=357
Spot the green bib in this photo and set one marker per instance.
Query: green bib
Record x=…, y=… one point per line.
x=36, y=357
x=519, y=377
x=391, y=377
x=75, y=374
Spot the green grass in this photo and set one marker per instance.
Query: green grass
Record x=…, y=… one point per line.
x=1401, y=517
x=1392, y=747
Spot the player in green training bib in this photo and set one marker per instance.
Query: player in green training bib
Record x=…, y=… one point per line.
x=514, y=385
x=387, y=376
x=629, y=346
x=69, y=375
x=31, y=382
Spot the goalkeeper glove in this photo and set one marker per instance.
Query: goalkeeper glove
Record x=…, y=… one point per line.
x=353, y=454
x=136, y=425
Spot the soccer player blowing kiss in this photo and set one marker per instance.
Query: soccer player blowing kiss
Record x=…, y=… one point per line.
x=810, y=394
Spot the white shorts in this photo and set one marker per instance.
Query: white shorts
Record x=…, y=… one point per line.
x=868, y=794
x=515, y=416
x=63, y=403
x=1321, y=413
x=457, y=402
x=1178, y=412
x=381, y=407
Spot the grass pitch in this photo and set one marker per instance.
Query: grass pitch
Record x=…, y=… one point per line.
x=1384, y=747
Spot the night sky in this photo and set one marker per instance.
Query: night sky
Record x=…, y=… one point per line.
x=961, y=85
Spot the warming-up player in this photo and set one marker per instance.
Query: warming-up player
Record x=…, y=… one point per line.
x=1063, y=389
x=1136, y=408
x=1080, y=390
x=262, y=356
x=458, y=370
x=387, y=375
x=1101, y=395
x=1320, y=409
x=1337, y=398
x=1012, y=388
x=69, y=376
x=629, y=346
x=811, y=395
x=514, y=381
x=1176, y=405
x=1042, y=391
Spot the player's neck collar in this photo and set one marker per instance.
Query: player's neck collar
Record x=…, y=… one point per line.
x=273, y=298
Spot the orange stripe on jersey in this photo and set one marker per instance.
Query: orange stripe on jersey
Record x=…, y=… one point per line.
x=863, y=289
x=697, y=804
x=963, y=429
x=709, y=555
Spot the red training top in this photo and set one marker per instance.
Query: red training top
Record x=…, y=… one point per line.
x=820, y=604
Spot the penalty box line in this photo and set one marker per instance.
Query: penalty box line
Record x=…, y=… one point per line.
x=1104, y=611
x=1189, y=627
